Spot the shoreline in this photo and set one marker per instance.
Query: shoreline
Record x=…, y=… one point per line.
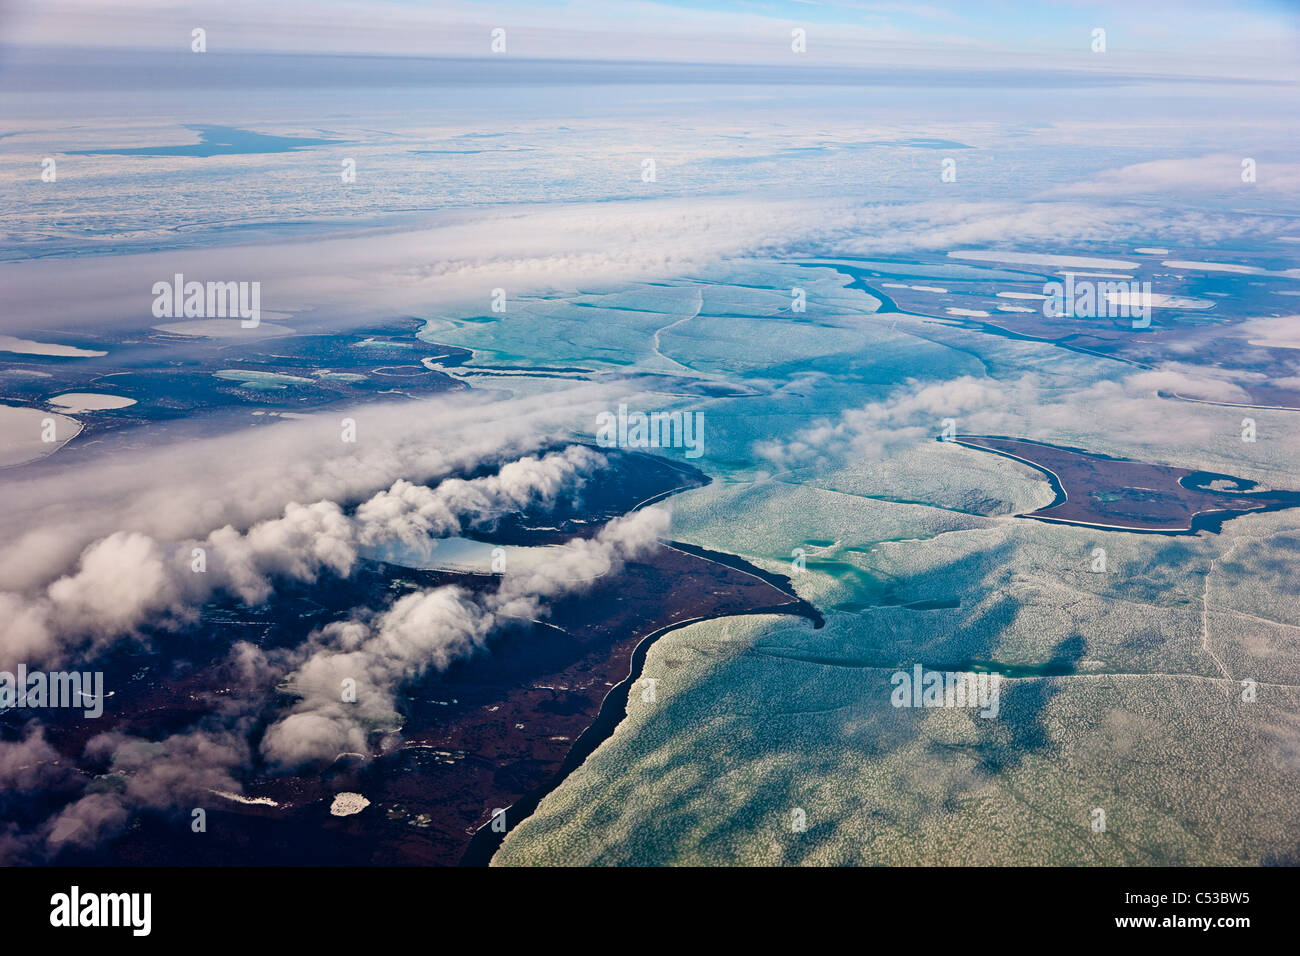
x=613, y=709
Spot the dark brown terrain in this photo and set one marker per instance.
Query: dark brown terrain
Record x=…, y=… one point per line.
x=485, y=734
x=1117, y=493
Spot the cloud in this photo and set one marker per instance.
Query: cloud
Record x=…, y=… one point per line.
x=1121, y=411
x=379, y=650
x=251, y=475
x=1214, y=173
x=412, y=514
x=86, y=821
x=457, y=261
x=1190, y=382
x=1280, y=331
x=428, y=631
x=128, y=580
x=179, y=769
x=31, y=763
x=911, y=414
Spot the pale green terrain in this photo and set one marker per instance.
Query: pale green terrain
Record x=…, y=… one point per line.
x=1122, y=690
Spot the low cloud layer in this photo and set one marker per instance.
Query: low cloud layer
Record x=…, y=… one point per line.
x=129, y=579
x=251, y=475
x=376, y=650
x=1216, y=174
x=428, y=630
x=457, y=261
x=1029, y=406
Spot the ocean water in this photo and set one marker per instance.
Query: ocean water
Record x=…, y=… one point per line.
x=216, y=141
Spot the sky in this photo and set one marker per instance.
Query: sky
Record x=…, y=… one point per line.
x=1189, y=37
